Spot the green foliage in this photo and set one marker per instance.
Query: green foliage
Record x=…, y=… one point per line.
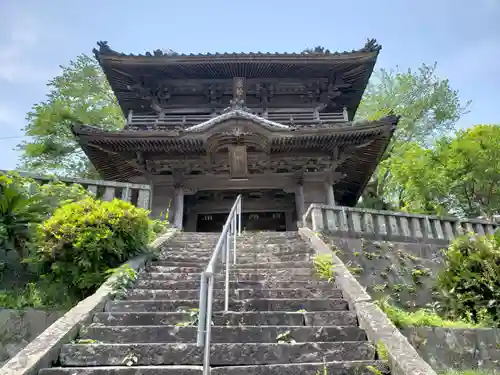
x=124, y=277
x=323, y=266
x=80, y=94
x=428, y=107
x=160, y=225
x=470, y=281
x=82, y=240
x=19, y=213
x=29, y=297
x=24, y=204
x=420, y=318
x=382, y=352
x=458, y=175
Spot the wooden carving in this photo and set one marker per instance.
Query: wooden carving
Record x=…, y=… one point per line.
x=238, y=161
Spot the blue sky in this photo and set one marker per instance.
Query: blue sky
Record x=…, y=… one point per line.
x=463, y=36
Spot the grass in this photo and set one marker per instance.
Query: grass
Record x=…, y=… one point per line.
x=421, y=318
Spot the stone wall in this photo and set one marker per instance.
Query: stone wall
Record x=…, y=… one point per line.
x=404, y=271
x=451, y=348
x=18, y=328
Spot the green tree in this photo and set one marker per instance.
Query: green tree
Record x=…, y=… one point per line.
x=79, y=94
x=428, y=106
x=458, y=175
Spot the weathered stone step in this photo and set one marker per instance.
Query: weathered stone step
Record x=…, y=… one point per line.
x=265, y=274
x=250, y=318
x=264, y=304
x=266, y=284
x=207, y=253
x=124, y=370
x=221, y=334
x=254, y=265
x=306, y=269
x=203, y=260
x=221, y=354
x=330, y=368
x=234, y=293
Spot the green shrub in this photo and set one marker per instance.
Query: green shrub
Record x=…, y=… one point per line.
x=82, y=240
x=19, y=214
x=160, y=225
x=419, y=318
x=469, y=284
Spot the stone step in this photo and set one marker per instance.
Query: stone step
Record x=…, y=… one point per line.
x=304, y=274
x=220, y=334
x=203, y=260
x=250, y=318
x=264, y=304
x=256, y=265
x=235, y=293
x=207, y=253
x=306, y=270
x=330, y=368
x=220, y=354
x=266, y=284
x=124, y=370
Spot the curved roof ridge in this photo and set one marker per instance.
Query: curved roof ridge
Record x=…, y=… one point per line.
x=237, y=113
x=104, y=49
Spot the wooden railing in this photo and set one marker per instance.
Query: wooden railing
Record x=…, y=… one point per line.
x=288, y=118
x=137, y=194
x=359, y=222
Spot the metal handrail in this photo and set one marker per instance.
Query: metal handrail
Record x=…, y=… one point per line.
x=222, y=251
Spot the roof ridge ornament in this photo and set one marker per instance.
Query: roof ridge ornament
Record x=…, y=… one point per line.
x=236, y=105
x=371, y=45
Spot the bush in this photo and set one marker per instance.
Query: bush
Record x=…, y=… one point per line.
x=470, y=281
x=419, y=318
x=82, y=240
x=19, y=214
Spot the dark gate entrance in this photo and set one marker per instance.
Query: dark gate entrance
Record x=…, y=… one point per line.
x=250, y=221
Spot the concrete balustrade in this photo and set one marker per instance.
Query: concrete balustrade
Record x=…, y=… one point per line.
x=366, y=223
x=137, y=194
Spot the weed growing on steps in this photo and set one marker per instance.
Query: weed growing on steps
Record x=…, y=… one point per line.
x=374, y=370
x=285, y=338
x=323, y=266
x=125, y=279
x=194, y=318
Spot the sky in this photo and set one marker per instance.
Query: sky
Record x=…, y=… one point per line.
x=36, y=37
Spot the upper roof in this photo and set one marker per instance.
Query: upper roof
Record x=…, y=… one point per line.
x=126, y=72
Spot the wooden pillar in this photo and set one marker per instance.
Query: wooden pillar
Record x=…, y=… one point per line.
x=290, y=225
x=179, y=206
x=299, y=202
x=330, y=196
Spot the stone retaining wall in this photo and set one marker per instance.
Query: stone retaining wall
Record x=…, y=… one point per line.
x=451, y=348
x=404, y=271
x=19, y=327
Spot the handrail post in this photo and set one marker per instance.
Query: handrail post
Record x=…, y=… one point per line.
x=208, y=323
x=226, y=284
x=238, y=210
x=200, y=339
x=234, y=230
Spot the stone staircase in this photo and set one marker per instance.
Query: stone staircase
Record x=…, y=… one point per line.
x=283, y=319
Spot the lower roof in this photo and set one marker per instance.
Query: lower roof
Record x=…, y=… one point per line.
x=122, y=155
